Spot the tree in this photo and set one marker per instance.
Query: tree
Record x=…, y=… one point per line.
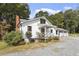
x=68, y=20
x=77, y=18
x=9, y=12
x=41, y=13
x=57, y=19
x=71, y=20
x=4, y=28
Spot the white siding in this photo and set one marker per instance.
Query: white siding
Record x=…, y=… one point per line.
x=63, y=34
x=35, y=28
x=53, y=32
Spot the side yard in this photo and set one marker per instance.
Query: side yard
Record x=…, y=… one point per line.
x=74, y=35
x=24, y=47
x=5, y=48
x=67, y=47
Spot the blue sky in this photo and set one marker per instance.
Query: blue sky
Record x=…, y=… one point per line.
x=52, y=8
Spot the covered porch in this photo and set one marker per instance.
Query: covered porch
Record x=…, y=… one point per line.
x=46, y=30
x=61, y=32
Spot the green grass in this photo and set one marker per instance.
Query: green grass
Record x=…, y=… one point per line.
x=74, y=34
x=3, y=45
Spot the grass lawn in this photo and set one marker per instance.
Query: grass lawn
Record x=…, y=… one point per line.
x=74, y=34
x=25, y=47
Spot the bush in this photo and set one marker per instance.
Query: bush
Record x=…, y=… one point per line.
x=21, y=42
x=3, y=45
x=49, y=39
x=52, y=38
x=29, y=34
x=40, y=35
x=41, y=38
x=56, y=38
x=12, y=38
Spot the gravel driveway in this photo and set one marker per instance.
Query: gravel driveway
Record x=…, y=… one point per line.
x=68, y=47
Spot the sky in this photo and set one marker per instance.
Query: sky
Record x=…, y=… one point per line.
x=51, y=8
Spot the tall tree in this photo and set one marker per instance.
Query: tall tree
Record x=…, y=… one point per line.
x=77, y=19
x=41, y=13
x=71, y=20
x=68, y=20
x=57, y=19
x=8, y=12
x=3, y=28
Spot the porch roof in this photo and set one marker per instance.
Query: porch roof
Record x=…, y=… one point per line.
x=60, y=29
x=47, y=26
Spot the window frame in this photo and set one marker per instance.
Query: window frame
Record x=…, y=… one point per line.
x=42, y=21
x=29, y=28
x=51, y=30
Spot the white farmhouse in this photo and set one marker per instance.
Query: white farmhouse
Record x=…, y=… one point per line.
x=40, y=25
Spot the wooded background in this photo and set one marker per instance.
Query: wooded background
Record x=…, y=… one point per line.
x=69, y=19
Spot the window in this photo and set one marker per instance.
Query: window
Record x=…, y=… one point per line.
x=29, y=28
x=42, y=21
x=51, y=31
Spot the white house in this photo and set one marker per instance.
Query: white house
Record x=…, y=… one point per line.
x=40, y=25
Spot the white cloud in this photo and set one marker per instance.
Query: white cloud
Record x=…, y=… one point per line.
x=66, y=8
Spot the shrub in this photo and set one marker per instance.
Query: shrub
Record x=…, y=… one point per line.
x=12, y=38
x=40, y=35
x=52, y=38
x=49, y=39
x=3, y=45
x=41, y=38
x=28, y=34
x=56, y=38
x=20, y=42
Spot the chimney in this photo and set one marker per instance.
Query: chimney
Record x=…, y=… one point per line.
x=17, y=23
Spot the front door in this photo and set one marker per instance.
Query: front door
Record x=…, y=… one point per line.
x=43, y=30
x=29, y=32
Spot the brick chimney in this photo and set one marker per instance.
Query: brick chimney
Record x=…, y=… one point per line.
x=17, y=22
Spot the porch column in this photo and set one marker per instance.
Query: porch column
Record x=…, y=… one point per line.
x=58, y=33
x=45, y=34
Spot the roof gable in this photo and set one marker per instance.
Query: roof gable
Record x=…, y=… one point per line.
x=35, y=20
